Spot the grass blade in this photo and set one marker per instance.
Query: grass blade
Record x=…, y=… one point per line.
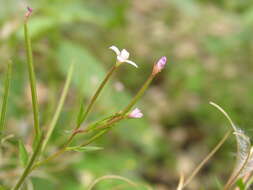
x=23, y=154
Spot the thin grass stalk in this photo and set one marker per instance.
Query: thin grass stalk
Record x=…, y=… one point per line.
x=59, y=108
x=203, y=162
x=5, y=99
x=32, y=80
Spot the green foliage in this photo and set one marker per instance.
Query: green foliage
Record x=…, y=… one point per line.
x=210, y=45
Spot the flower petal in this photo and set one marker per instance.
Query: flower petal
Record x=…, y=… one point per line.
x=124, y=54
x=132, y=63
x=120, y=59
x=136, y=113
x=115, y=49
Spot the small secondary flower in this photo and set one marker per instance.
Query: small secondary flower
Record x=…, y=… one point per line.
x=158, y=67
x=136, y=113
x=122, y=56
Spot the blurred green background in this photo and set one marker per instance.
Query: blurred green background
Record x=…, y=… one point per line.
x=209, y=47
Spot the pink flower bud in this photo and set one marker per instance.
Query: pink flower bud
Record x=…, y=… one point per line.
x=29, y=12
x=136, y=113
x=158, y=67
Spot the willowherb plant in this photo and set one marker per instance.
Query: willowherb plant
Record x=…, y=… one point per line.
x=242, y=170
x=98, y=128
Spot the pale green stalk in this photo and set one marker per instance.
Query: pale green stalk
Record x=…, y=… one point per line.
x=5, y=99
x=32, y=81
x=84, y=115
x=138, y=95
x=59, y=108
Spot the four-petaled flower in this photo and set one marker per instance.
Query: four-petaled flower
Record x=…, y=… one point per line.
x=122, y=56
x=136, y=113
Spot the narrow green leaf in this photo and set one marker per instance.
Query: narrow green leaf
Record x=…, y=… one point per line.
x=59, y=107
x=5, y=99
x=23, y=155
x=84, y=148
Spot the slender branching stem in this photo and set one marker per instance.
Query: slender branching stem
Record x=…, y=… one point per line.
x=95, y=96
x=104, y=127
x=138, y=95
x=5, y=99
x=32, y=81
x=81, y=119
x=63, y=149
x=203, y=162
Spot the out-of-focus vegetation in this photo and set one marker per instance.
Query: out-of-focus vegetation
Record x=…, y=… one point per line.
x=209, y=45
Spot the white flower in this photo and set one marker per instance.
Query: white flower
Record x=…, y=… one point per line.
x=122, y=56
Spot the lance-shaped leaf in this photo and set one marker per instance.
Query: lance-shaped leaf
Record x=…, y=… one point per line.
x=84, y=148
x=23, y=155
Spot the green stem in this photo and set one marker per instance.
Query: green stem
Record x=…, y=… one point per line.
x=32, y=82
x=95, y=137
x=95, y=96
x=29, y=165
x=138, y=95
x=104, y=127
x=5, y=99
x=59, y=108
